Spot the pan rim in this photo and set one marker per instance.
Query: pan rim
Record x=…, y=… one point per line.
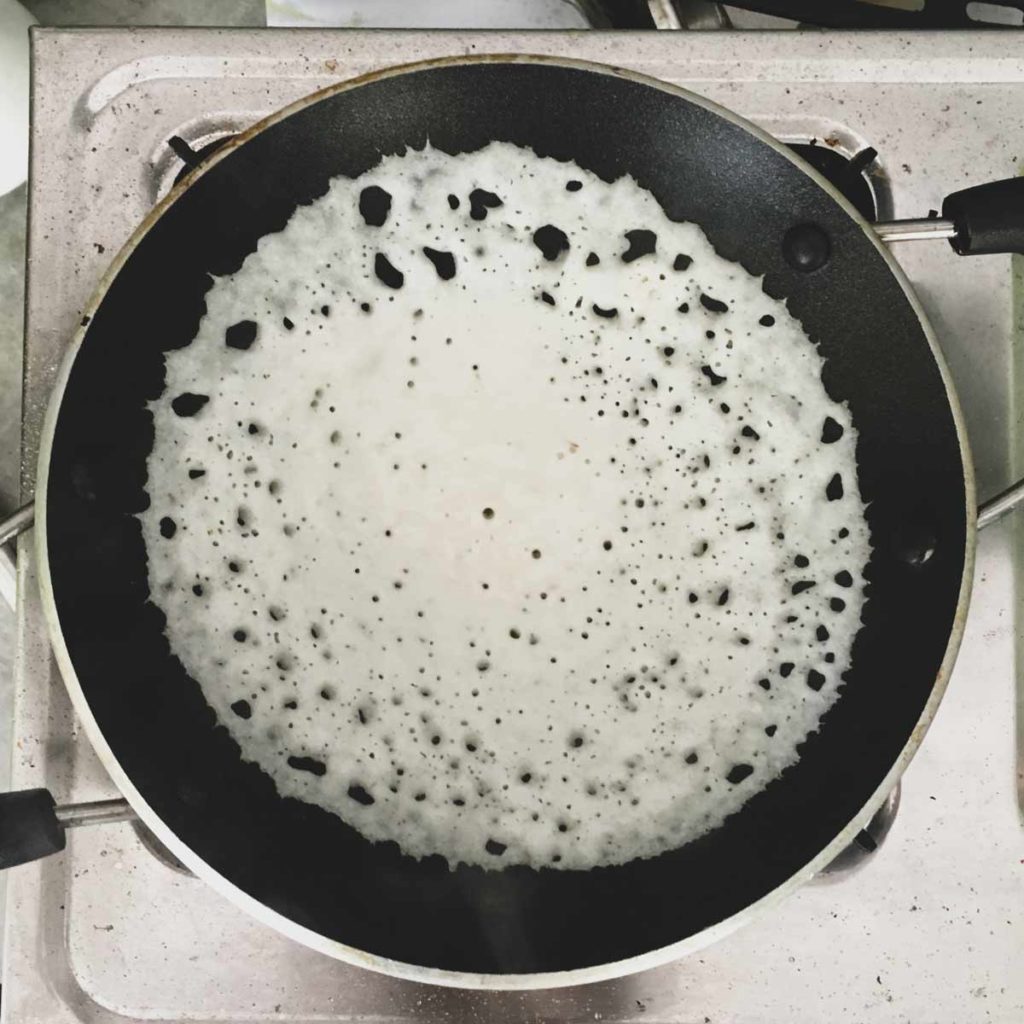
x=351, y=954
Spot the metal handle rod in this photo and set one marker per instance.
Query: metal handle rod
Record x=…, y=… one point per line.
x=922, y=230
x=928, y=229
x=98, y=812
x=687, y=14
x=1002, y=504
x=664, y=15
x=17, y=523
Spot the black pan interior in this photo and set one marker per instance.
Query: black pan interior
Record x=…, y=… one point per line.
x=304, y=862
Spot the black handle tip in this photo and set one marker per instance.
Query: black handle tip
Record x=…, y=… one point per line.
x=29, y=828
x=989, y=218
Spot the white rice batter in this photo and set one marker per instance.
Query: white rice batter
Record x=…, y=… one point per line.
x=499, y=515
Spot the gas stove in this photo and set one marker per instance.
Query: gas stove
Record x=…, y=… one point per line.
x=930, y=929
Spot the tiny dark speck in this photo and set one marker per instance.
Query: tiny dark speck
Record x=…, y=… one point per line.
x=785, y=669
x=837, y=604
x=715, y=378
x=168, y=527
x=592, y=259
x=492, y=846
x=682, y=262
x=767, y=320
x=573, y=185
x=801, y=586
x=608, y=314
x=834, y=490
x=288, y=324
x=843, y=578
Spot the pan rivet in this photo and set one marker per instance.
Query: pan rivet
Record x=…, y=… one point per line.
x=806, y=247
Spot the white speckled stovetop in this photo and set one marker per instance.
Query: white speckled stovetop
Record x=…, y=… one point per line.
x=932, y=930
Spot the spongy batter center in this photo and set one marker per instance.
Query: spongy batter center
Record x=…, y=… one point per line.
x=496, y=513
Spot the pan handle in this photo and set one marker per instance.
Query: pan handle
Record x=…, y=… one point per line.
x=1001, y=505
x=10, y=528
x=33, y=825
x=981, y=220
x=17, y=523
x=977, y=221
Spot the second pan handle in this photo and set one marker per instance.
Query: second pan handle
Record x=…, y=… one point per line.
x=32, y=824
x=982, y=220
x=17, y=523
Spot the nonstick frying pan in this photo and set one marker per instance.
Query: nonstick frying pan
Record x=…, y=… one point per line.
x=304, y=871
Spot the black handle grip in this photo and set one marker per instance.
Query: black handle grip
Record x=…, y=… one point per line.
x=989, y=218
x=29, y=828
